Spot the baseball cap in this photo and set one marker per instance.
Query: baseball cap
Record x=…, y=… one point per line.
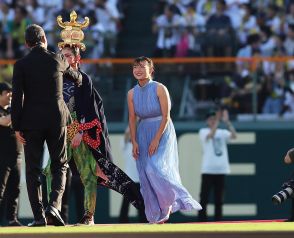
x=210, y=113
x=5, y=87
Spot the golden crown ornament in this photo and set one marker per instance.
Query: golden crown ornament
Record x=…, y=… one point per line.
x=72, y=33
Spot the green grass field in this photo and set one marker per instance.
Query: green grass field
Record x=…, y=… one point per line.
x=146, y=228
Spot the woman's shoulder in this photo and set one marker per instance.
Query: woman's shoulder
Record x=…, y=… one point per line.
x=131, y=92
x=160, y=88
x=158, y=84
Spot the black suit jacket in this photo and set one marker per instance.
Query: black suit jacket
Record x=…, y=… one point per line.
x=37, y=83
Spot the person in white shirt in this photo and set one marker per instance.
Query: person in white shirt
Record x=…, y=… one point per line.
x=215, y=160
x=167, y=27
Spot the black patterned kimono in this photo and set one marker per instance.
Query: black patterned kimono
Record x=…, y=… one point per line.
x=91, y=119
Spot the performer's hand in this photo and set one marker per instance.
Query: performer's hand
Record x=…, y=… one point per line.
x=76, y=141
x=153, y=147
x=19, y=137
x=100, y=173
x=135, y=150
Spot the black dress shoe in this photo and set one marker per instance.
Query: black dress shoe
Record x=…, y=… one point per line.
x=14, y=222
x=53, y=217
x=41, y=222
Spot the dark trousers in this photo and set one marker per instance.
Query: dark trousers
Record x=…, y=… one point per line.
x=74, y=189
x=56, y=142
x=215, y=182
x=124, y=210
x=10, y=185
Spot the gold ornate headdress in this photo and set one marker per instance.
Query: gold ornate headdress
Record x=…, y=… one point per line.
x=72, y=33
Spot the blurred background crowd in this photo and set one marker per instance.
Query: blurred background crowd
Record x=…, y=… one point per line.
x=176, y=29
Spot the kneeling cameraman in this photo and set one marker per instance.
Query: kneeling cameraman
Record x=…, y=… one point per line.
x=288, y=187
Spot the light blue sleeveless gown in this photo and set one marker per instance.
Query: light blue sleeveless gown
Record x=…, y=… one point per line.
x=160, y=181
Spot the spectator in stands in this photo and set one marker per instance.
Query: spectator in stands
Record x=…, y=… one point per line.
x=206, y=7
x=290, y=14
x=272, y=19
x=109, y=16
x=251, y=80
x=68, y=7
x=10, y=162
x=248, y=24
x=215, y=160
x=6, y=71
x=93, y=33
x=289, y=41
x=235, y=12
x=268, y=41
x=167, y=27
x=253, y=45
x=50, y=7
x=219, y=32
x=194, y=24
x=275, y=85
x=288, y=102
x=35, y=12
x=6, y=14
x=15, y=33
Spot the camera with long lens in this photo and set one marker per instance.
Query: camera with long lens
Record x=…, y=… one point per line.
x=285, y=193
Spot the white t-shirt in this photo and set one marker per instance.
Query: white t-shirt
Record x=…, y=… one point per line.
x=215, y=158
x=164, y=24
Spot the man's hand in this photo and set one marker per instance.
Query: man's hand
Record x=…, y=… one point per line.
x=76, y=141
x=19, y=137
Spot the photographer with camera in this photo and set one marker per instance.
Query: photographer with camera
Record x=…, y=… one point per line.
x=287, y=187
x=215, y=160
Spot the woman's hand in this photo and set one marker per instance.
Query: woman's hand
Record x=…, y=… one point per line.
x=153, y=147
x=135, y=150
x=76, y=141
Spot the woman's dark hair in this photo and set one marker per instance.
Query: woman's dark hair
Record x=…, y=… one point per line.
x=141, y=59
x=34, y=34
x=74, y=49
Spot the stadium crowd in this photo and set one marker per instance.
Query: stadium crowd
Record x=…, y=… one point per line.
x=105, y=17
x=242, y=28
x=184, y=28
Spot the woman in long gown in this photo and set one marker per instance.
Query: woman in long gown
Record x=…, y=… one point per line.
x=155, y=146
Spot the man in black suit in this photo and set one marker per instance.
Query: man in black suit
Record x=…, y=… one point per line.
x=39, y=114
